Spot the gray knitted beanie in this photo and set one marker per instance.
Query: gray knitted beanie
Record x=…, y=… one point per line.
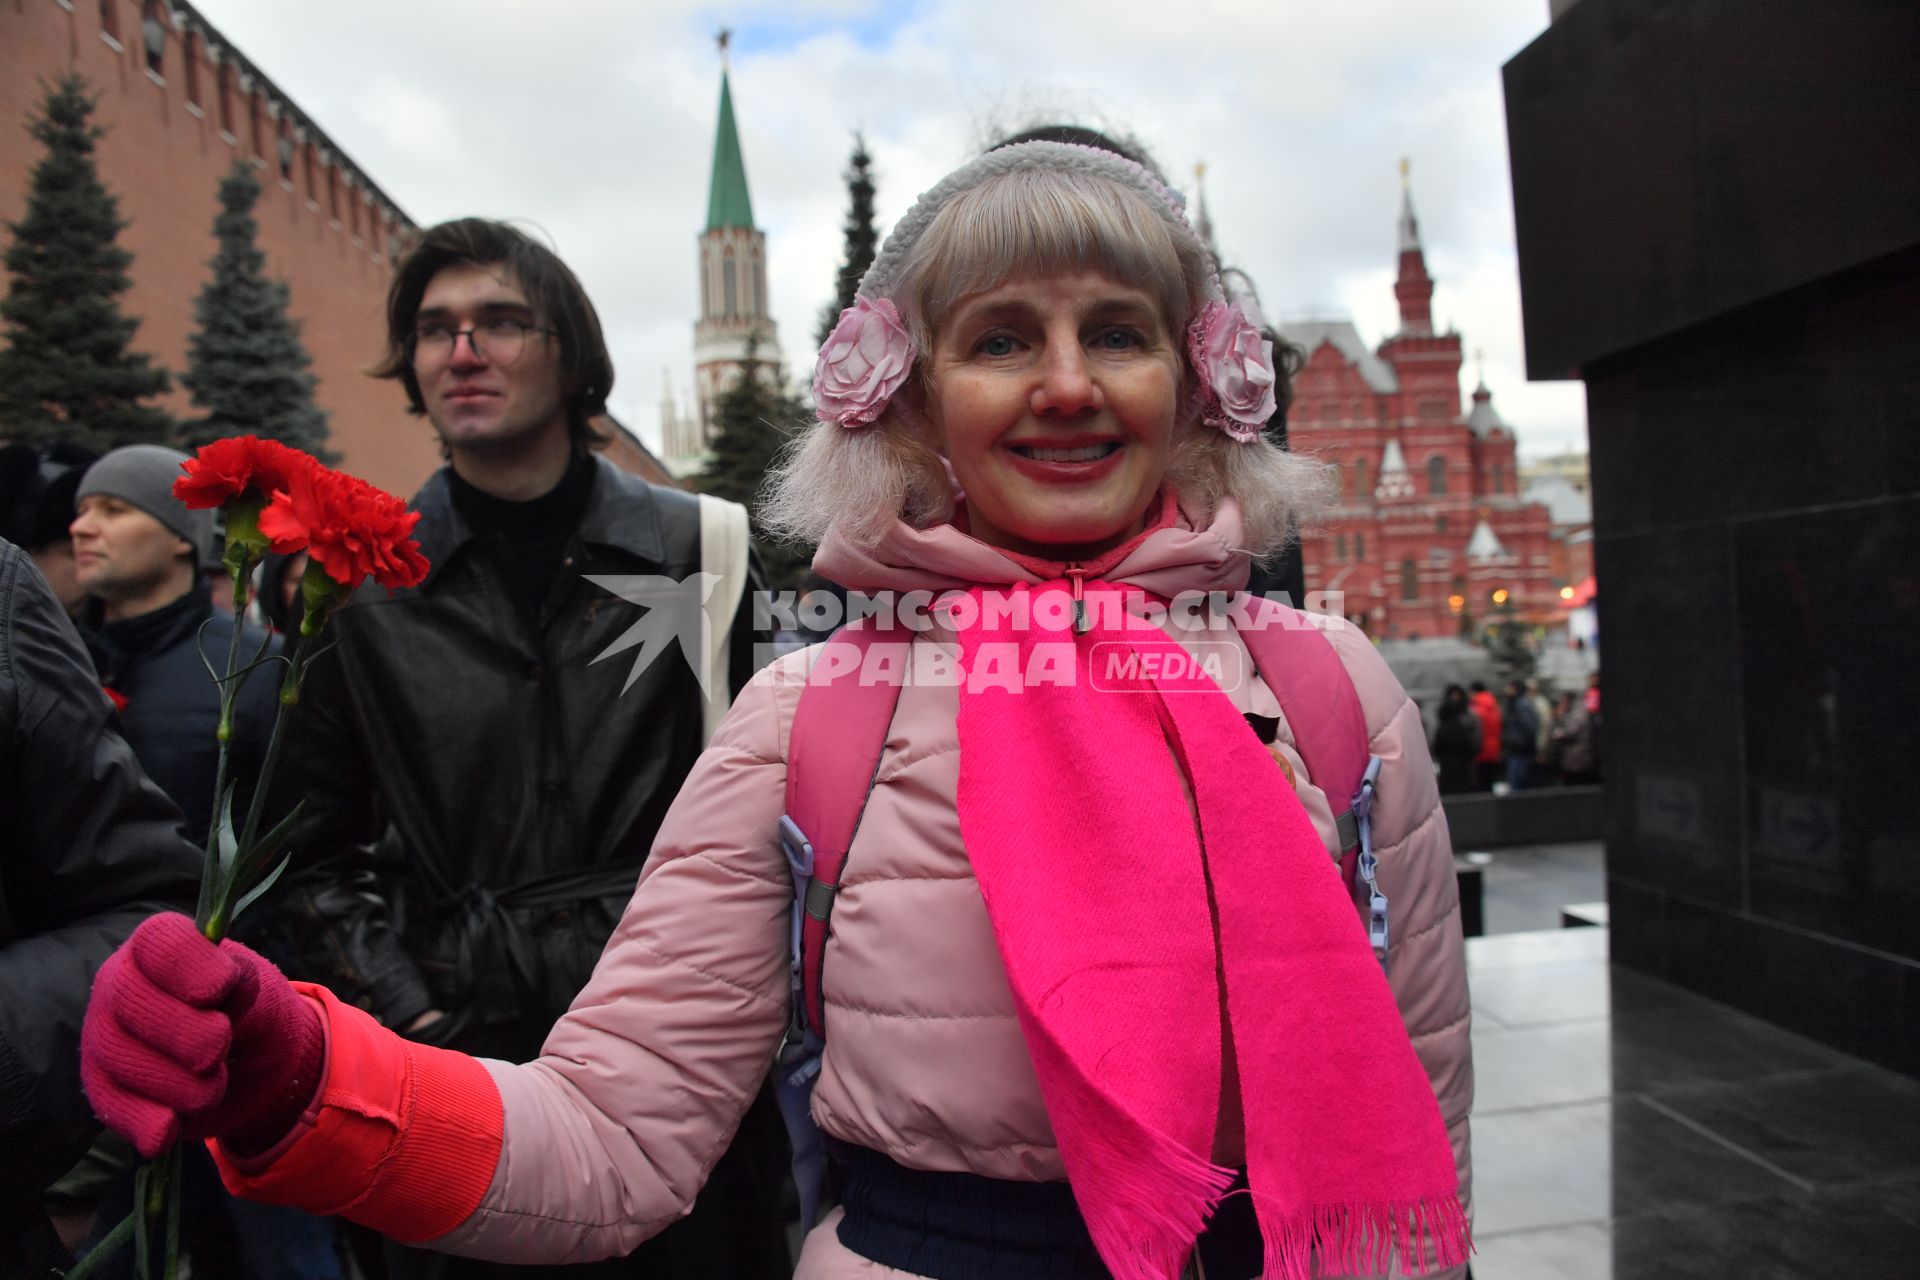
x=143, y=475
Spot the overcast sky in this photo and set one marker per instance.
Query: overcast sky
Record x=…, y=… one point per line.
x=594, y=120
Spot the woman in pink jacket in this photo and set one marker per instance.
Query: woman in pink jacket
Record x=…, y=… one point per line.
x=1094, y=979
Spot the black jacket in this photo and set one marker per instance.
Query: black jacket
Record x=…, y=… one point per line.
x=1519, y=728
x=172, y=713
x=88, y=848
x=481, y=793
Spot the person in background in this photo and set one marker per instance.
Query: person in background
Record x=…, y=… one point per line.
x=36, y=505
x=1456, y=741
x=278, y=599
x=1543, y=719
x=1519, y=732
x=480, y=793
x=92, y=847
x=1486, y=764
x=1572, y=733
x=139, y=555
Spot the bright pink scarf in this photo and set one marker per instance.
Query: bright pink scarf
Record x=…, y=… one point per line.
x=1096, y=877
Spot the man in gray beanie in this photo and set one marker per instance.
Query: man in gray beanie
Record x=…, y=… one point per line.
x=137, y=552
x=135, y=545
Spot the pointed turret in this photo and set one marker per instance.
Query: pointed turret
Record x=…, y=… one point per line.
x=728, y=204
x=734, y=315
x=1482, y=419
x=1485, y=547
x=1395, y=480
x=1414, y=288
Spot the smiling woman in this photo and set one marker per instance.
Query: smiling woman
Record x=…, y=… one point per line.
x=1008, y=228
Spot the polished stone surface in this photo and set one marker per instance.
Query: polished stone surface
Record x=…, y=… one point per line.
x=1625, y=1129
x=1525, y=886
x=1830, y=608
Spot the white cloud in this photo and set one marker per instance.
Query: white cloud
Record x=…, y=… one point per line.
x=594, y=120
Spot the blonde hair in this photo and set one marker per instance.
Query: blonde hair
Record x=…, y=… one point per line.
x=1027, y=219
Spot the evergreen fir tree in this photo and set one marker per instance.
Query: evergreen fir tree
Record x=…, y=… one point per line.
x=753, y=421
x=1513, y=657
x=862, y=240
x=245, y=365
x=66, y=374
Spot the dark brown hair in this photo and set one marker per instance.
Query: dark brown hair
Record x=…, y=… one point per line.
x=555, y=293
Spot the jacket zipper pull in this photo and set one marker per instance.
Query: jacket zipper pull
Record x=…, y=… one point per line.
x=1081, y=623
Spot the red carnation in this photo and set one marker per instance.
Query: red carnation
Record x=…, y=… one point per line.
x=350, y=528
x=229, y=467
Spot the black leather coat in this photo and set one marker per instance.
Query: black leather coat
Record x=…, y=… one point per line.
x=481, y=794
x=88, y=848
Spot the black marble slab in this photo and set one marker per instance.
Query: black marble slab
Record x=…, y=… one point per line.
x=1670, y=740
x=1829, y=657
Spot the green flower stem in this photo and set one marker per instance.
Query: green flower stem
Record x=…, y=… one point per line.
x=110, y=1244
x=289, y=698
x=229, y=696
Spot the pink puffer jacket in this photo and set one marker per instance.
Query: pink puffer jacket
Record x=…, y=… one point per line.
x=611, y=1132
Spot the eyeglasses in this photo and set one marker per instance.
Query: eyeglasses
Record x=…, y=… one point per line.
x=500, y=340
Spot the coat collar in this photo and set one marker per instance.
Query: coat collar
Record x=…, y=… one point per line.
x=622, y=512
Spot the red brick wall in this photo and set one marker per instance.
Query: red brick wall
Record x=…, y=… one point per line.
x=164, y=161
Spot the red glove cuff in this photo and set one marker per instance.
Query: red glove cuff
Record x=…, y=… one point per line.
x=403, y=1137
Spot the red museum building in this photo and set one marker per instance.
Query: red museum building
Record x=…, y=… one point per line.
x=1429, y=535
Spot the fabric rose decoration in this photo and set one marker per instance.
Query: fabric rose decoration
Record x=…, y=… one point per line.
x=866, y=359
x=1235, y=364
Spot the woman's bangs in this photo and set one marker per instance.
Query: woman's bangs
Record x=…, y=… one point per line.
x=1038, y=224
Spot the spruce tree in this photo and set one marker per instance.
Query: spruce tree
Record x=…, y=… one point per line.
x=753, y=421
x=245, y=365
x=66, y=374
x=862, y=241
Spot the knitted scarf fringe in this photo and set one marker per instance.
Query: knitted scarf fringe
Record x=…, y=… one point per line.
x=1144, y=1196
x=1364, y=1239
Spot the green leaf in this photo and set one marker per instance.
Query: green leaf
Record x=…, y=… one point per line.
x=266, y=883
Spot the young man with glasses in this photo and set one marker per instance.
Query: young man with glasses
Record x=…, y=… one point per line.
x=480, y=793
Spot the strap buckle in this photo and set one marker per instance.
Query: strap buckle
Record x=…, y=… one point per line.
x=1369, y=866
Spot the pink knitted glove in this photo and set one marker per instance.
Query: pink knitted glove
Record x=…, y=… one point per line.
x=186, y=1039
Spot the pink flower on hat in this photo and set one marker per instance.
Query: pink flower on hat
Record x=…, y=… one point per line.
x=866, y=359
x=1235, y=363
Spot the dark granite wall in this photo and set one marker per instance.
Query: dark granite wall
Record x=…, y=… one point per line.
x=1754, y=424
x=1757, y=542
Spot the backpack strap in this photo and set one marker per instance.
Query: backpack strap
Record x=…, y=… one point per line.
x=833, y=753
x=724, y=542
x=1316, y=695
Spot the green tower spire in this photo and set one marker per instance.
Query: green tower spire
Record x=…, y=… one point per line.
x=728, y=204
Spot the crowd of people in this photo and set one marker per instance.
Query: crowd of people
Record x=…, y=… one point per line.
x=1100, y=961
x=1486, y=743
